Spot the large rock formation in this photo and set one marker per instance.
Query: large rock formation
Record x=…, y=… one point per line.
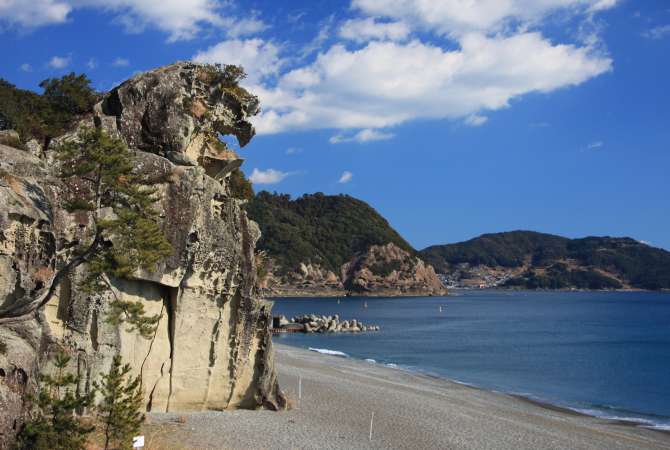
x=212, y=347
x=382, y=270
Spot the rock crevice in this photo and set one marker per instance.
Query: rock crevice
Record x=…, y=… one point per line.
x=211, y=349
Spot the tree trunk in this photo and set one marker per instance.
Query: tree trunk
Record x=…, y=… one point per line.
x=21, y=312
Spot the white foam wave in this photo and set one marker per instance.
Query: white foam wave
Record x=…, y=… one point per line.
x=326, y=351
x=370, y=360
x=641, y=422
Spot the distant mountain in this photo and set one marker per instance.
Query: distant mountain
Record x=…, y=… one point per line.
x=332, y=245
x=534, y=260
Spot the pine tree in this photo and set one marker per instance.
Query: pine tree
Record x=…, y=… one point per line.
x=56, y=425
x=125, y=236
x=121, y=402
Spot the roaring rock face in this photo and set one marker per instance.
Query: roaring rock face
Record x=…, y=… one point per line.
x=212, y=347
x=178, y=111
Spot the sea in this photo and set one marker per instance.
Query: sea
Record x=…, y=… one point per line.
x=605, y=354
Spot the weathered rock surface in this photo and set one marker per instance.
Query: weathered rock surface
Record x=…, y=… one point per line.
x=387, y=270
x=212, y=346
x=319, y=324
x=384, y=270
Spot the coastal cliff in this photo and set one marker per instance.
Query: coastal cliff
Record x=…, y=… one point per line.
x=335, y=245
x=382, y=271
x=211, y=348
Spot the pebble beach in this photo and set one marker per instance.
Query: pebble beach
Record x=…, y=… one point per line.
x=335, y=399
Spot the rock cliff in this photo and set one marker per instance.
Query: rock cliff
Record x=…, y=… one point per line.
x=382, y=270
x=212, y=346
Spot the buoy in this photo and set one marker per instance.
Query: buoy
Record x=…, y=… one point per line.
x=440, y=308
x=365, y=305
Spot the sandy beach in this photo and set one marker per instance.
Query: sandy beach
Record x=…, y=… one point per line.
x=411, y=411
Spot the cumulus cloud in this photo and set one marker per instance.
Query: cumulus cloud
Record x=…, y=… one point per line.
x=388, y=83
x=364, y=30
x=59, y=62
x=259, y=58
x=657, y=32
x=34, y=13
x=92, y=63
x=270, y=176
x=457, y=17
x=26, y=67
x=363, y=136
x=346, y=177
x=181, y=19
x=120, y=62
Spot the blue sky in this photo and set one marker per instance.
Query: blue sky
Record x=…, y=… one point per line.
x=451, y=118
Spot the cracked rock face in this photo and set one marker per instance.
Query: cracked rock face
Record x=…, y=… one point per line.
x=212, y=346
x=382, y=270
x=390, y=270
x=178, y=111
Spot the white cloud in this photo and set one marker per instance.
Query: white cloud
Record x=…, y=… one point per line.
x=657, y=32
x=293, y=151
x=388, y=83
x=595, y=145
x=181, y=19
x=346, y=177
x=458, y=17
x=364, y=30
x=259, y=58
x=121, y=62
x=475, y=120
x=92, y=63
x=270, y=176
x=59, y=62
x=363, y=136
x=241, y=27
x=295, y=18
x=34, y=13
x=26, y=67
x=323, y=35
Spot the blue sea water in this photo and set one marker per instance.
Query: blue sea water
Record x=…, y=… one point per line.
x=602, y=353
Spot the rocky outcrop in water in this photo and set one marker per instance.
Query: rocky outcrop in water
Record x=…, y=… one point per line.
x=310, y=323
x=212, y=346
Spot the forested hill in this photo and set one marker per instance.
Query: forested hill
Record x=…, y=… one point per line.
x=536, y=260
x=321, y=229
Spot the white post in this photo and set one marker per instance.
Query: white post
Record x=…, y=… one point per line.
x=372, y=418
x=299, y=390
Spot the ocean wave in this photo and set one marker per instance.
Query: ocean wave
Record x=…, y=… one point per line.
x=326, y=351
x=605, y=412
x=639, y=421
x=662, y=427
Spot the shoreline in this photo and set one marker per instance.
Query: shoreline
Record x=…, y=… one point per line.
x=411, y=411
x=638, y=422
x=451, y=291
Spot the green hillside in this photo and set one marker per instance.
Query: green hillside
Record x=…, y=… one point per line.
x=317, y=228
x=556, y=262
